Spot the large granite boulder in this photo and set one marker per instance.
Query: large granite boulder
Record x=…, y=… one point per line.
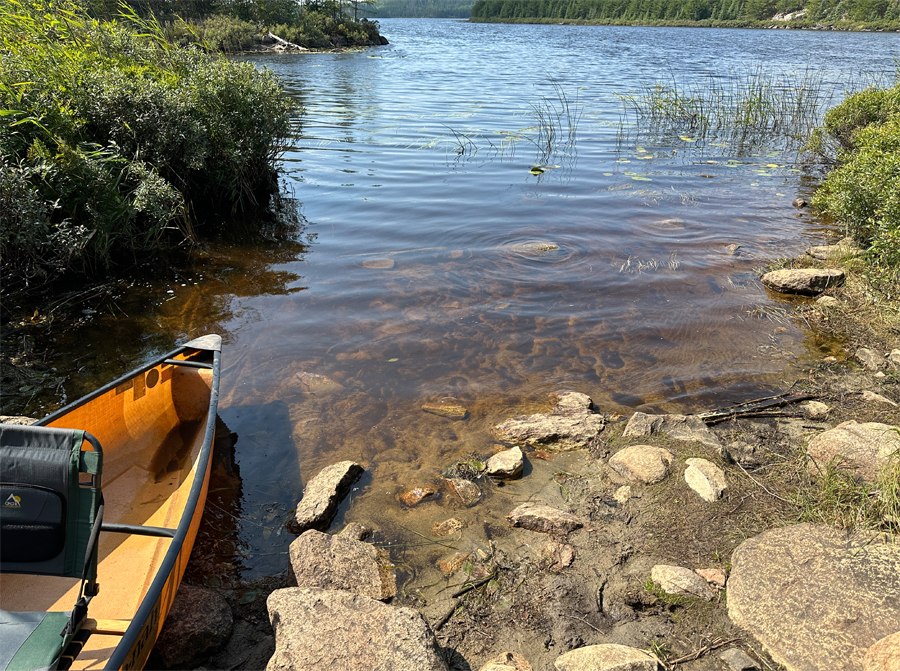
x=341, y=562
x=197, y=627
x=863, y=448
x=686, y=428
x=803, y=281
x=322, y=496
x=319, y=629
x=816, y=597
x=571, y=425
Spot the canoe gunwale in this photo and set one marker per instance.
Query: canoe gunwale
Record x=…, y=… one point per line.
x=151, y=602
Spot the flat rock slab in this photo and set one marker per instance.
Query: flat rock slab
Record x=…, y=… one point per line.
x=322, y=496
x=545, y=519
x=871, y=359
x=884, y=655
x=816, y=597
x=605, y=657
x=506, y=465
x=844, y=249
x=677, y=427
x=341, y=562
x=571, y=425
x=324, y=629
x=198, y=625
x=864, y=448
x=803, y=281
x=705, y=478
x=448, y=410
x=642, y=463
x=681, y=580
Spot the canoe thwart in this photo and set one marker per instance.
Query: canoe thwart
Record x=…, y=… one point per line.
x=187, y=364
x=138, y=530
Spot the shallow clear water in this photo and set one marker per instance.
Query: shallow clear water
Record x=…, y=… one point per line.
x=415, y=277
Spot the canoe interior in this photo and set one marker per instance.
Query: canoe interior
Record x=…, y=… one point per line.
x=151, y=428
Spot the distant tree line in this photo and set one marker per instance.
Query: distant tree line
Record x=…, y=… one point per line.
x=710, y=11
x=424, y=9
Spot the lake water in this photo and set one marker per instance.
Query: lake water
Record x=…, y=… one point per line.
x=446, y=251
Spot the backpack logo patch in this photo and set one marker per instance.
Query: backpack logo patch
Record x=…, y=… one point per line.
x=12, y=501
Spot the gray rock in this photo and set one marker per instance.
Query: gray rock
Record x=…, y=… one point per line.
x=872, y=397
x=748, y=456
x=845, y=249
x=313, y=383
x=642, y=463
x=800, y=203
x=545, y=519
x=680, y=580
x=605, y=657
x=814, y=409
x=815, y=596
x=571, y=425
x=198, y=626
x=17, y=419
x=705, y=478
x=804, y=281
x=864, y=448
x=884, y=655
x=870, y=359
x=677, y=427
x=319, y=629
x=341, y=562
x=467, y=491
x=507, y=464
x=894, y=358
x=827, y=302
x=738, y=660
x=322, y=495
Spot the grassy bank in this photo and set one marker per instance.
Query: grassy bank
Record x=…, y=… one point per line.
x=115, y=143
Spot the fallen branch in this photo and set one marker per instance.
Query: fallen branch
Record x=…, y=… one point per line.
x=759, y=484
x=285, y=43
x=690, y=657
x=474, y=585
x=743, y=409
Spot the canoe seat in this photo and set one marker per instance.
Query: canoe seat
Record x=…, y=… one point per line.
x=51, y=510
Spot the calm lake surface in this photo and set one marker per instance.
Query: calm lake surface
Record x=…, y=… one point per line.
x=435, y=262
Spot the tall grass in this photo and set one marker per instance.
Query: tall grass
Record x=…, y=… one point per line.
x=556, y=121
x=751, y=110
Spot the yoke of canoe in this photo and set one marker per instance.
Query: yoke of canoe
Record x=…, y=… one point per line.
x=156, y=426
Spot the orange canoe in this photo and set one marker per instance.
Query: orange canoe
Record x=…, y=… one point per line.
x=156, y=426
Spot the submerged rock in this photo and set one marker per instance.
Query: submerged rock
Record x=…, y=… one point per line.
x=198, y=625
x=803, y=281
x=571, y=425
x=815, y=596
x=448, y=410
x=340, y=562
x=467, y=491
x=677, y=427
x=326, y=629
x=322, y=495
x=313, y=383
x=452, y=564
x=883, y=655
x=642, y=463
x=416, y=495
x=863, y=448
x=446, y=528
x=545, y=519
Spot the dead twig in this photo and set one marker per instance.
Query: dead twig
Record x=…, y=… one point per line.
x=474, y=585
x=690, y=657
x=761, y=486
x=581, y=619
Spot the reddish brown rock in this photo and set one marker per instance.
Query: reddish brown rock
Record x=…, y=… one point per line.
x=416, y=495
x=446, y=528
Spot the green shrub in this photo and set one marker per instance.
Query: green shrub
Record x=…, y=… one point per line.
x=228, y=34
x=863, y=192
x=110, y=136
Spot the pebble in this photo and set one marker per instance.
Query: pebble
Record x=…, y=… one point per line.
x=453, y=564
x=416, y=495
x=705, y=478
x=447, y=527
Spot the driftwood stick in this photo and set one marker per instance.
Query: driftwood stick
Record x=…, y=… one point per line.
x=289, y=45
x=742, y=409
x=474, y=585
x=702, y=651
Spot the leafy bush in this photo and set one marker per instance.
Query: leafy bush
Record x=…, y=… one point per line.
x=228, y=34
x=111, y=137
x=863, y=191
